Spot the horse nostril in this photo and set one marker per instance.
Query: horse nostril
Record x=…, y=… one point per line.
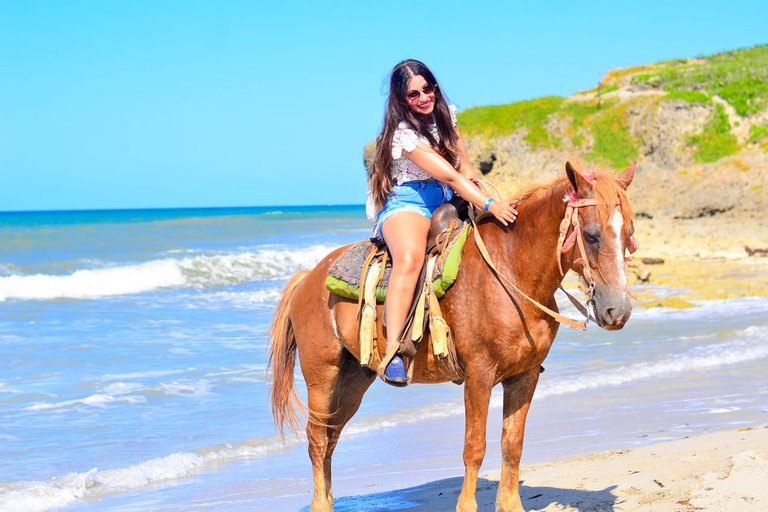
x=609, y=314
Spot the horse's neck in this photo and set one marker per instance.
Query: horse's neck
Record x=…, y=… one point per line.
x=528, y=251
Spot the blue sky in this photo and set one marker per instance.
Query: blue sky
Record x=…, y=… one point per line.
x=187, y=103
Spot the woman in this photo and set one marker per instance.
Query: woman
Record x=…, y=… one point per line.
x=419, y=155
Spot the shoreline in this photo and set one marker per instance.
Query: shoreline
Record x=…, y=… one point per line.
x=724, y=471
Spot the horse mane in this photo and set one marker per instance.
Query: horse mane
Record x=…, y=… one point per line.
x=601, y=185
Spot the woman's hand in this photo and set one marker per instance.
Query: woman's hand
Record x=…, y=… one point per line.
x=504, y=211
x=436, y=166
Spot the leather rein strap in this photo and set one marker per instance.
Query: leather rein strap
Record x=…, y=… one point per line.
x=571, y=218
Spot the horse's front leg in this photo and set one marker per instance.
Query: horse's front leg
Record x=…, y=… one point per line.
x=477, y=396
x=518, y=393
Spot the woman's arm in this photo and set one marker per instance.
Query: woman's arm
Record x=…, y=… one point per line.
x=437, y=167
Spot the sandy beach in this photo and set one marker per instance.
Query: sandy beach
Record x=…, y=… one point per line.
x=724, y=471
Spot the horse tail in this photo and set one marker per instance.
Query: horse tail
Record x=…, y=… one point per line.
x=282, y=360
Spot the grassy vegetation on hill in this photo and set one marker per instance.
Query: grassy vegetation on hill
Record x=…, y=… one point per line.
x=688, y=96
x=758, y=132
x=503, y=120
x=614, y=143
x=607, y=126
x=716, y=140
x=740, y=77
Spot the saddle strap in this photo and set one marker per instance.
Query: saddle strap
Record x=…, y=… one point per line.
x=438, y=329
x=575, y=324
x=373, y=251
x=368, y=315
x=417, y=330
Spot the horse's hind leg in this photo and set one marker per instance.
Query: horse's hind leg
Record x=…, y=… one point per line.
x=351, y=385
x=334, y=392
x=321, y=380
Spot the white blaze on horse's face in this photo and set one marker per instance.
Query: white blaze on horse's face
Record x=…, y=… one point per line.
x=617, y=225
x=612, y=299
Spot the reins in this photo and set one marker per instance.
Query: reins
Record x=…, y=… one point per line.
x=571, y=218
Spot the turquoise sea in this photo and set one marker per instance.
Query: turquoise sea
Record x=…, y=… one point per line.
x=133, y=352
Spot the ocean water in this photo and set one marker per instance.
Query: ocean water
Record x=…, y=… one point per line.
x=134, y=354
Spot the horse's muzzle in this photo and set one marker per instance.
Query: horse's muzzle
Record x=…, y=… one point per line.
x=612, y=311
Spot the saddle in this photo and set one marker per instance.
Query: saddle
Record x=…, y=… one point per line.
x=446, y=239
x=362, y=273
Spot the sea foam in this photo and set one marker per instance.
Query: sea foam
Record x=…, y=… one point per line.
x=749, y=345
x=94, y=283
x=195, y=271
x=57, y=493
x=129, y=393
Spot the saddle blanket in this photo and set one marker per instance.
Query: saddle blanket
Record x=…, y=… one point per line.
x=344, y=274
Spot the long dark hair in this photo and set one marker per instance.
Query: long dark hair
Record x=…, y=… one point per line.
x=397, y=111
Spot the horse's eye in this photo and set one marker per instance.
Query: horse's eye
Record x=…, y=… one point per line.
x=591, y=239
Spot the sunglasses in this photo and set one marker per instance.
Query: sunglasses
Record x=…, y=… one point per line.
x=427, y=89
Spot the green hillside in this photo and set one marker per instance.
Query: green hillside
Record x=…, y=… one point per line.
x=732, y=86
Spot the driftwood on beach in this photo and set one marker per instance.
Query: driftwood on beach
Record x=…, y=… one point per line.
x=756, y=252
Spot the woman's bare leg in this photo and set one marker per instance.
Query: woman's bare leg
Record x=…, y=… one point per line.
x=406, y=236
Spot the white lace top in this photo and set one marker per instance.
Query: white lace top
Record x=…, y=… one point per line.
x=402, y=169
x=405, y=139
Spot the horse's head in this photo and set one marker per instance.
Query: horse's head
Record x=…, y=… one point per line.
x=603, y=215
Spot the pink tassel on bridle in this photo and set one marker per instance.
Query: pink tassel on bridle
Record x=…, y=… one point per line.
x=633, y=245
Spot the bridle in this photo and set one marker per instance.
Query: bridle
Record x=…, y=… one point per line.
x=571, y=218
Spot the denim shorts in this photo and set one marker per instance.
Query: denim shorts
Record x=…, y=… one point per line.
x=422, y=197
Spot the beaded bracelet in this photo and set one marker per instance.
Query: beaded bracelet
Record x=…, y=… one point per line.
x=488, y=203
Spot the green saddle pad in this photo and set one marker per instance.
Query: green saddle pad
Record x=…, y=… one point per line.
x=344, y=274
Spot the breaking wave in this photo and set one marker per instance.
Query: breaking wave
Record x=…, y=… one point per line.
x=196, y=271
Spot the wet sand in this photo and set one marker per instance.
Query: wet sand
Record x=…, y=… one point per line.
x=724, y=471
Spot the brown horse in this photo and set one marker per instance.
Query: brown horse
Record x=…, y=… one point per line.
x=499, y=337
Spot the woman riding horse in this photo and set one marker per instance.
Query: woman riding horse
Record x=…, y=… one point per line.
x=500, y=337
x=420, y=156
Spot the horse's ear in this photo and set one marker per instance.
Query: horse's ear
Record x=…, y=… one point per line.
x=577, y=180
x=627, y=176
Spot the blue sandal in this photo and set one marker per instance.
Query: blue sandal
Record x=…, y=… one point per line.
x=395, y=371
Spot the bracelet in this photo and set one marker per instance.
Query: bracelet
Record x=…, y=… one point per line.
x=488, y=203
